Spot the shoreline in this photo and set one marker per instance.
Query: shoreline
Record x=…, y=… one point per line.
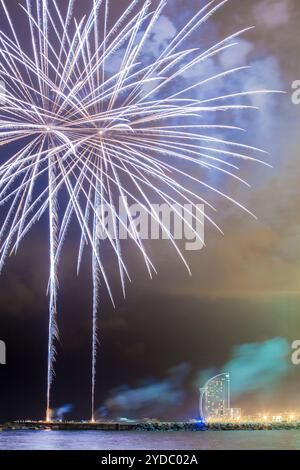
x=147, y=426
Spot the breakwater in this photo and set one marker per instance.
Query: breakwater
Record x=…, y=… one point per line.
x=148, y=426
x=219, y=426
x=68, y=426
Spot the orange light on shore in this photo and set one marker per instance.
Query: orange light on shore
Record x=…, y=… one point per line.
x=48, y=415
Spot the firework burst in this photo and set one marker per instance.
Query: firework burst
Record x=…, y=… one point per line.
x=75, y=127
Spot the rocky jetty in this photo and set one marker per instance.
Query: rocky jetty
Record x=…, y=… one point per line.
x=68, y=426
x=255, y=426
x=218, y=426
x=147, y=426
x=173, y=426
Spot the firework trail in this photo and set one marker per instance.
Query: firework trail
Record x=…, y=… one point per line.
x=74, y=130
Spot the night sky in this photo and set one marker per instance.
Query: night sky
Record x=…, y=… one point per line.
x=239, y=312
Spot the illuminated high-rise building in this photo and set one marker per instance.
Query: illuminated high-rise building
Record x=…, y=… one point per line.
x=215, y=398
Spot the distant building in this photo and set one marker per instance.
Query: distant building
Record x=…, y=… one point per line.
x=215, y=398
x=277, y=418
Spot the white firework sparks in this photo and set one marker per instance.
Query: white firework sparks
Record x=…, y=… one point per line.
x=72, y=127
